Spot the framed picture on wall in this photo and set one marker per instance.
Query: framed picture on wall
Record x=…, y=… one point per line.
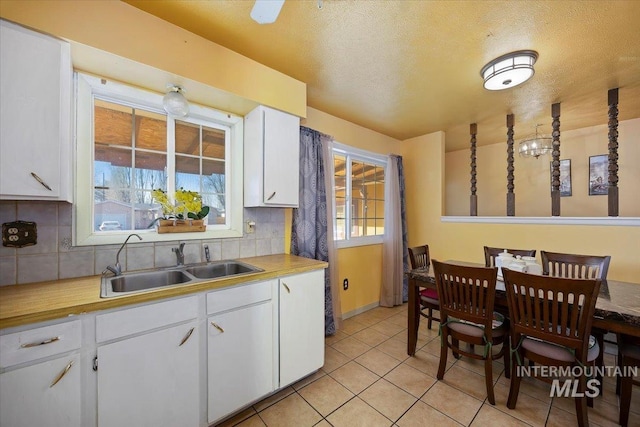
x=598, y=175
x=565, y=177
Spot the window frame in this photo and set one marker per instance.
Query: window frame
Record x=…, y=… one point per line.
x=352, y=153
x=88, y=87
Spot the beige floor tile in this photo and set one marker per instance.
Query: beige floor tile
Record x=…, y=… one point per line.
x=452, y=402
x=332, y=339
x=254, y=421
x=528, y=409
x=531, y=387
x=333, y=359
x=400, y=319
x=410, y=380
x=238, y=418
x=356, y=413
x=401, y=336
x=325, y=395
x=370, y=336
x=351, y=326
x=394, y=348
x=265, y=403
x=433, y=347
x=308, y=379
x=421, y=414
x=477, y=366
x=388, y=399
x=354, y=377
x=466, y=381
x=323, y=423
x=378, y=362
x=562, y=418
x=490, y=417
x=291, y=411
x=427, y=363
x=388, y=328
x=351, y=347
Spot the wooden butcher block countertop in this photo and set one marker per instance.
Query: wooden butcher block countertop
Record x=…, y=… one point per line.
x=36, y=302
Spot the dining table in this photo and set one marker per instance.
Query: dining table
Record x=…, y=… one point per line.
x=617, y=306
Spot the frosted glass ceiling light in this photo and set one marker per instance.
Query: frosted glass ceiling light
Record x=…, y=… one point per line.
x=174, y=102
x=266, y=11
x=509, y=70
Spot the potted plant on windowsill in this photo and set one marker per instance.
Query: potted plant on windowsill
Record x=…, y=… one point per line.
x=185, y=214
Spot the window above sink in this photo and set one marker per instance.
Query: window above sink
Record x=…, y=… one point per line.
x=128, y=146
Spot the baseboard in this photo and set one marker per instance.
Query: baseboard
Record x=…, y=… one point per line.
x=359, y=310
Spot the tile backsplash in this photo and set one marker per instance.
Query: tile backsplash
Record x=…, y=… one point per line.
x=53, y=257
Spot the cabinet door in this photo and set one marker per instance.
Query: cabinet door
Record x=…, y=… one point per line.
x=281, y=158
x=150, y=380
x=30, y=398
x=240, y=358
x=35, y=76
x=301, y=325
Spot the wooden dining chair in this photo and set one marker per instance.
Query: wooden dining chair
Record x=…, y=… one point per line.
x=467, y=296
x=628, y=357
x=490, y=254
x=576, y=267
x=419, y=258
x=550, y=321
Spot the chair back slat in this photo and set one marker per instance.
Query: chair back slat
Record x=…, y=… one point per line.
x=575, y=266
x=554, y=309
x=419, y=257
x=466, y=293
x=490, y=254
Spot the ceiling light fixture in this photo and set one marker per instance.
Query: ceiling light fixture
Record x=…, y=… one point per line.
x=266, y=11
x=536, y=146
x=509, y=70
x=174, y=101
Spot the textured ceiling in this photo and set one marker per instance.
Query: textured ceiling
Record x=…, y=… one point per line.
x=407, y=68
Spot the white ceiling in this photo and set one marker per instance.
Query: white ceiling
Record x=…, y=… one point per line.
x=407, y=68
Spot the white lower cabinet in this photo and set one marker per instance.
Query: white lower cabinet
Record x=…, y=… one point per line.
x=41, y=392
x=240, y=347
x=150, y=379
x=301, y=325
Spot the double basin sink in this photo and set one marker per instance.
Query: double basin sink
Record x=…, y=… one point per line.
x=136, y=282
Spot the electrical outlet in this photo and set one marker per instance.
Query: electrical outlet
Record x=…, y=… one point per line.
x=19, y=234
x=251, y=227
x=345, y=284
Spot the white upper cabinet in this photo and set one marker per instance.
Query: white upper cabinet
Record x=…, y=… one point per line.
x=35, y=115
x=271, y=158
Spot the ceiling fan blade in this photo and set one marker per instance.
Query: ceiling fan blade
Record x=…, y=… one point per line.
x=266, y=11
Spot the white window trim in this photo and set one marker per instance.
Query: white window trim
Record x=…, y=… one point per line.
x=354, y=153
x=83, y=234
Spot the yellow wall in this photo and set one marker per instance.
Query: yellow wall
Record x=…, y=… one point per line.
x=464, y=241
x=533, y=180
x=362, y=265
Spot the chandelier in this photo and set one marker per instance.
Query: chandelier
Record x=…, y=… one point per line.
x=536, y=145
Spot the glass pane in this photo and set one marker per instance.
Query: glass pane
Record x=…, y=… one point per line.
x=340, y=230
x=357, y=227
x=187, y=138
x=379, y=226
x=145, y=210
x=112, y=124
x=339, y=165
x=213, y=143
x=151, y=131
x=150, y=170
x=188, y=173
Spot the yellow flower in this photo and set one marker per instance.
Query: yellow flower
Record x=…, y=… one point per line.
x=188, y=204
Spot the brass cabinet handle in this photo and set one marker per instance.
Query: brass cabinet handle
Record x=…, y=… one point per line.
x=271, y=196
x=44, y=184
x=35, y=344
x=62, y=374
x=186, y=337
x=286, y=287
x=215, y=325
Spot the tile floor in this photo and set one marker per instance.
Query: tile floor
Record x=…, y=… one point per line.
x=368, y=380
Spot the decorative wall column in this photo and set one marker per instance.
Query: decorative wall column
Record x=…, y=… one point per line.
x=613, y=153
x=511, y=196
x=473, y=128
x=555, y=161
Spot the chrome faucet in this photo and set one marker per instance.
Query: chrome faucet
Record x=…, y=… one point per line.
x=179, y=254
x=117, y=269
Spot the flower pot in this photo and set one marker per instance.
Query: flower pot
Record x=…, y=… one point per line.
x=181, y=225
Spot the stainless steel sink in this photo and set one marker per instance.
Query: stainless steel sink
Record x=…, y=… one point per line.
x=221, y=269
x=141, y=281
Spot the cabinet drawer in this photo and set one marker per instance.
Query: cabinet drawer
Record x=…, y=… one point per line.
x=131, y=321
x=238, y=296
x=25, y=346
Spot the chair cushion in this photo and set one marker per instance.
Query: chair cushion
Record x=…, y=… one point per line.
x=429, y=293
x=498, y=321
x=558, y=352
x=474, y=329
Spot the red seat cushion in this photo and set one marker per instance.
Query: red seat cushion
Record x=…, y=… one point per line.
x=429, y=293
